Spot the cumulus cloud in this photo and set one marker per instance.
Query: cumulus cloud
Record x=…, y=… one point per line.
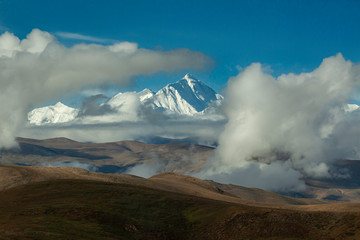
x=100, y=109
x=282, y=129
x=39, y=68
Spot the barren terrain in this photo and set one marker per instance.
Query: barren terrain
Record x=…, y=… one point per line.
x=72, y=203
x=68, y=203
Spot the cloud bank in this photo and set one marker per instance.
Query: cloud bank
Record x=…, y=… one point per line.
x=195, y=131
x=280, y=130
x=39, y=68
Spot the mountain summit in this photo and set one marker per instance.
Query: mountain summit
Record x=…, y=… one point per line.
x=188, y=96
x=59, y=113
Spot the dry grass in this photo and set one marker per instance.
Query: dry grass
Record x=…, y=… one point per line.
x=85, y=209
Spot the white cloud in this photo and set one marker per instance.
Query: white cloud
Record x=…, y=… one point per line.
x=125, y=47
x=39, y=68
x=9, y=44
x=200, y=131
x=78, y=36
x=294, y=125
x=35, y=42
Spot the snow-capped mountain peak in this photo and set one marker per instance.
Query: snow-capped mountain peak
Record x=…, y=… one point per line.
x=186, y=96
x=191, y=81
x=58, y=113
x=61, y=108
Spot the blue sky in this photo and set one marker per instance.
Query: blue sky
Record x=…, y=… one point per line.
x=287, y=36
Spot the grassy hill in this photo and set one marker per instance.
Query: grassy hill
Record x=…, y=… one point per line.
x=85, y=209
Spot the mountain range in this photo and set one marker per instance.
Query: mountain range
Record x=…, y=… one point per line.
x=146, y=160
x=186, y=97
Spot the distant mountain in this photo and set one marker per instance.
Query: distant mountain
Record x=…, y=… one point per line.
x=59, y=113
x=188, y=96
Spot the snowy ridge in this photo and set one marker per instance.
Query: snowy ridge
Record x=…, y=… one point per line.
x=59, y=113
x=145, y=94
